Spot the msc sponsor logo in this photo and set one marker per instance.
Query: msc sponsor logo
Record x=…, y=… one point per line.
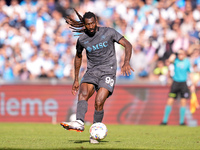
x=97, y=46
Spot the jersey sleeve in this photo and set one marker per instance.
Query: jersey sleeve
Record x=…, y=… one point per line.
x=79, y=47
x=116, y=35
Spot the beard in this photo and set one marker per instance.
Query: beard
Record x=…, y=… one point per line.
x=91, y=32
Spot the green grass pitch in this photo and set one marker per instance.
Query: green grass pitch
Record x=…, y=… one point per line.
x=33, y=136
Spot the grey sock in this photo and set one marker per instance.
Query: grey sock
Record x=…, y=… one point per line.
x=82, y=107
x=98, y=116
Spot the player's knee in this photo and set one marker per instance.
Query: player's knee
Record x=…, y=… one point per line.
x=99, y=105
x=170, y=101
x=83, y=95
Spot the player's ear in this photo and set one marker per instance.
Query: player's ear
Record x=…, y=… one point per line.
x=96, y=19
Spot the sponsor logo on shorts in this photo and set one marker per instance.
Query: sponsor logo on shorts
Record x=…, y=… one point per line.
x=186, y=95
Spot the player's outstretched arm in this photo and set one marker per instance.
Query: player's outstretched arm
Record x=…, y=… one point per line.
x=126, y=68
x=77, y=65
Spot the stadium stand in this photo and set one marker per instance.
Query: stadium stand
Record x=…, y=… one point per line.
x=35, y=42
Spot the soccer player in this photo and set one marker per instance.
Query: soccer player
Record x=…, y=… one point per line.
x=179, y=86
x=101, y=66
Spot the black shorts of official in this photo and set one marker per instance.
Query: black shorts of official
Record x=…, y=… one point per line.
x=99, y=79
x=179, y=88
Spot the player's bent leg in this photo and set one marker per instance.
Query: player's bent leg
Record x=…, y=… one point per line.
x=82, y=107
x=77, y=125
x=86, y=91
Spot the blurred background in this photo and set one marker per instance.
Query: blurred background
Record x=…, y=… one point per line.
x=37, y=49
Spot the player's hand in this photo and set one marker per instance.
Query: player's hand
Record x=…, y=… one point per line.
x=126, y=69
x=75, y=87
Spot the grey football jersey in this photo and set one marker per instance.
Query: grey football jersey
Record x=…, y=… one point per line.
x=100, y=48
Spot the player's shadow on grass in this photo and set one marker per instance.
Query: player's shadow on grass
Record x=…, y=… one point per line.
x=85, y=141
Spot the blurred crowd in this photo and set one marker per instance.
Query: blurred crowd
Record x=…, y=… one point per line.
x=35, y=41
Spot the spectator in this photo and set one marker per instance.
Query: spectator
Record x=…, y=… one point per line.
x=58, y=66
x=24, y=74
x=8, y=71
x=139, y=62
x=196, y=13
x=34, y=65
x=30, y=19
x=181, y=41
x=161, y=72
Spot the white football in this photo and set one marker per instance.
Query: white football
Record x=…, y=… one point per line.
x=98, y=131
